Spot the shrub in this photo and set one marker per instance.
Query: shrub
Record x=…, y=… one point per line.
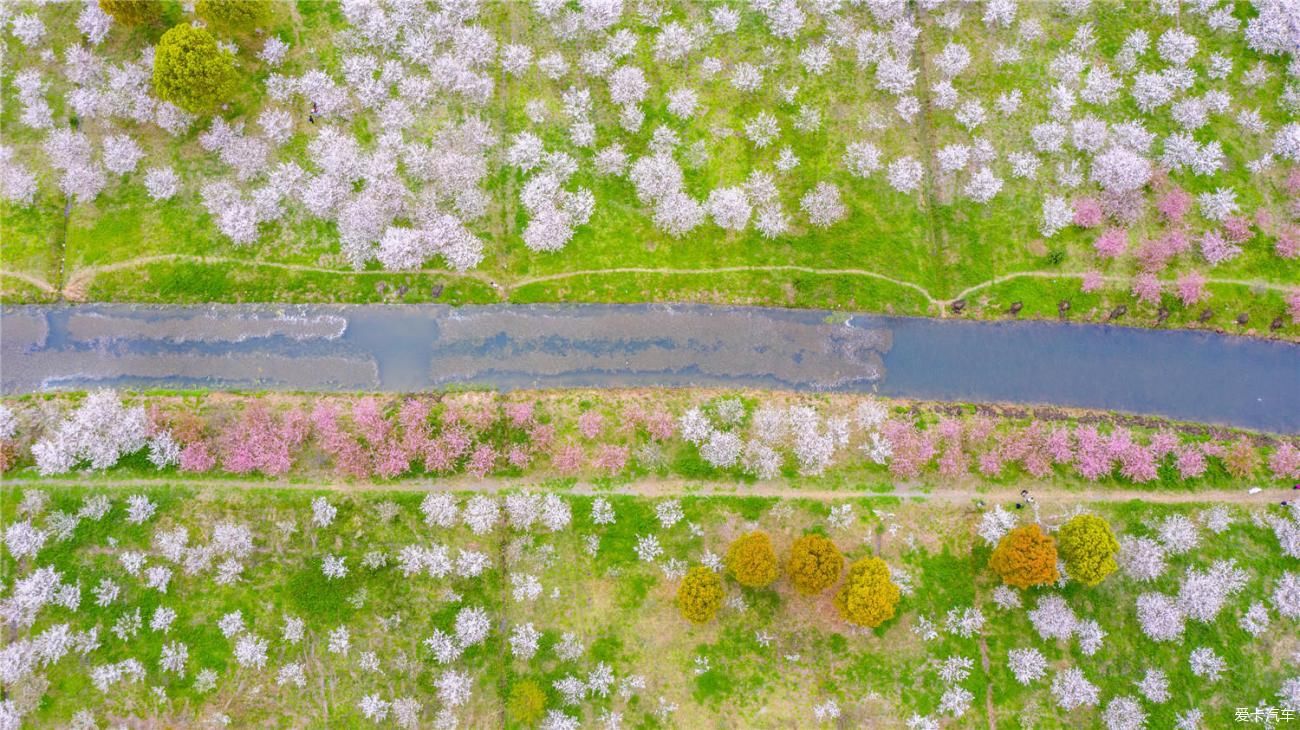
x=1089, y=548
x=752, y=561
x=133, y=12
x=1025, y=557
x=700, y=595
x=869, y=597
x=1241, y=460
x=233, y=15
x=190, y=71
x=526, y=704
x=815, y=564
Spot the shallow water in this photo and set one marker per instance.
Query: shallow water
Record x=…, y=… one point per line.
x=1187, y=375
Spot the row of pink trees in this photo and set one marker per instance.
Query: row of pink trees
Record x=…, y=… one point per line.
x=1217, y=244
x=956, y=446
x=1220, y=242
x=369, y=438
x=479, y=434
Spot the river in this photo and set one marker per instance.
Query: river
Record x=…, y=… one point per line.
x=1195, y=376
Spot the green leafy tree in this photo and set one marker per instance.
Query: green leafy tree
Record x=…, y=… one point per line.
x=234, y=16
x=190, y=71
x=1088, y=547
x=526, y=703
x=1025, y=557
x=869, y=597
x=700, y=595
x=133, y=12
x=815, y=564
x=752, y=561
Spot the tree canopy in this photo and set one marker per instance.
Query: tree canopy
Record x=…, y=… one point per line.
x=233, y=16
x=1025, y=557
x=526, y=703
x=815, y=564
x=752, y=561
x=190, y=71
x=869, y=597
x=1089, y=548
x=133, y=12
x=700, y=595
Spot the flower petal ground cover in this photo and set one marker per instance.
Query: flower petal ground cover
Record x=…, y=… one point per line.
x=370, y=608
x=818, y=153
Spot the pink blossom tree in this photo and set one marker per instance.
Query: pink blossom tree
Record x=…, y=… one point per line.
x=912, y=449
x=369, y=417
x=519, y=457
x=1216, y=249
x=413, y=416
x=1174, y=205
x=520, y=414
x=482, y=460
x=391, y=459
x=262, y=441
x=541, y=435
x=611, y=458
x=1087, y=213
x=1190, y=461
x=1191, y=288
x=1284, y=462
x=1111, y=243
x=1138, y=464
x=568, y=459
x=591, y=424
x=1060, y=445
x=1146, y=287
x=196, y=457
x=1288, y=243
x=660, y=425
x=1237, y=229
x=1155, y=254
x=1092, y=459
x=989, y=463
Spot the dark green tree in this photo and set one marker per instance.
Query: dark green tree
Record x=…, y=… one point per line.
x=190, y=71
x=133, y=12
x=234, y=16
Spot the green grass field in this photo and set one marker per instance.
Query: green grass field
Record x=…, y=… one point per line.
x=766, y=661
x=945, y=245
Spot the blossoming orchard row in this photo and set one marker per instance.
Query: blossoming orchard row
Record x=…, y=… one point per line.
x=633, y=434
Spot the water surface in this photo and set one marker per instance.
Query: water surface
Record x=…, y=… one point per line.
x=1195, y=376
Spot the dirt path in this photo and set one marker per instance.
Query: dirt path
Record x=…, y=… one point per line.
x=683, y=488
x=78, y=281
x=35, y=281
